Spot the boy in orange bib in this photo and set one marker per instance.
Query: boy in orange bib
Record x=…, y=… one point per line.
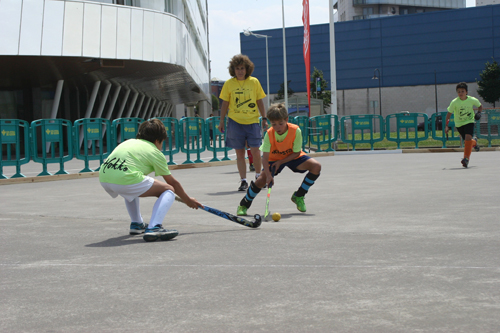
x=282, y=147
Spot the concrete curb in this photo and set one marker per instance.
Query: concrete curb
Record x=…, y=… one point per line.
x=40, y=179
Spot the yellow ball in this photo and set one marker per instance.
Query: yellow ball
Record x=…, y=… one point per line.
x=276, y=217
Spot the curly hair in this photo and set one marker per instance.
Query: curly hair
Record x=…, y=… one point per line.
x=152, y=130
x=462, y=85
x=277, y=112
x=238, y=60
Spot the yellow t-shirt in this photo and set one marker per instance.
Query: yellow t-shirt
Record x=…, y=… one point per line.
x=463, y=110
x=242, y=97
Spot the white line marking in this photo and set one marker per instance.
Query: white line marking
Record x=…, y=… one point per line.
x=244, y=266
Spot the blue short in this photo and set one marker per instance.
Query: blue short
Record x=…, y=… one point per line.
x=292, y=165
x=239, y=135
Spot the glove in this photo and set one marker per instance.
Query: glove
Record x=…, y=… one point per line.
x=477, y=116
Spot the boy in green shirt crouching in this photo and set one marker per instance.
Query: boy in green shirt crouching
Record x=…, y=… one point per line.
x=125, y=173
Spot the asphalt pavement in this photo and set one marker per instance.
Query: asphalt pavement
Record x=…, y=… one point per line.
x=389, y=243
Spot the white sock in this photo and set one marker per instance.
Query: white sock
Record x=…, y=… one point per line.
x=257, y=175
x=243, y=180
x=133, y=210
x=161, y=207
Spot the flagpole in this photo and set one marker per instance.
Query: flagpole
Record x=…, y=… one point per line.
x=333, y=69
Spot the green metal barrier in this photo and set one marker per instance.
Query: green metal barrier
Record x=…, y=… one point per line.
x=452, y=133
x=90, y=142
x=363, y=125
x=123, y=129
x=56, y=136
x=192, y=133
x=303, y=123
x=216, y=139
x=14, y=143
x=323, y=131
x=171, y=145
x=406, y=123
x=492, y=125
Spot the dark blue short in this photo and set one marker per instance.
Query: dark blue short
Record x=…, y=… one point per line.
x=239, y=135
x=292, y=165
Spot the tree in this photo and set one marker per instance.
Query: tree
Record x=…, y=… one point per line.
x=489, y=86
x=325, y=95
x=280, y=94
x=215, y=103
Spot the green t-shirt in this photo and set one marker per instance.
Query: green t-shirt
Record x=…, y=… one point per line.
x=297, y=143
x=131, y=161
x=463, y=110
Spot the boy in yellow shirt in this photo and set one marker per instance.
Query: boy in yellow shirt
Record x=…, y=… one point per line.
x=462, y=109
x=282, y=147
x=242, y=101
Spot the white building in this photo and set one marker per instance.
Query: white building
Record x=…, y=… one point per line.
x=104, y=58
x=349, y=10
x=487, y=2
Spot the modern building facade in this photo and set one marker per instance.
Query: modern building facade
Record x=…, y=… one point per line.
x=420, y=58
x=77, y=59
x=487, y=2
x=349, y=10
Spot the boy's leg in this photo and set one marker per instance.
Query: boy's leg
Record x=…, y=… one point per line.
x=250, y=156
x=155, y=231
x=252, y=192
x=242, y=168
x=257, y=161
x=161, y=207
x=466, y=132
x=314, y=168
x=137, y=225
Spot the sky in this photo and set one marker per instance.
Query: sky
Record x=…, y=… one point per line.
x=228, y=18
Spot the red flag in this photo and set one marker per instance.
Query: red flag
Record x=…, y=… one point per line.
x=307, y=50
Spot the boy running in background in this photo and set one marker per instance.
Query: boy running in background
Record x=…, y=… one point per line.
x=125, y=172
x=462, y=109
x=282, y=147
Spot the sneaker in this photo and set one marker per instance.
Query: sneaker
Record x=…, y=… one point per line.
x=137, y=228
x=299, y=201
x=153, y=234
x=241, y=211
x=251, y=167
x=465, y=162
x=476, y=147
x=243, y=186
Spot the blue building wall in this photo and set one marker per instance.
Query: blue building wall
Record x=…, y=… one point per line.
x=407, y=50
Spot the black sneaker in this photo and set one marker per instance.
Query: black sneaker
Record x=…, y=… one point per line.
x=251, y=167
x=243, y=186
x=476, y=147
x=465, y=162
x=137, y=228
x=153, y=234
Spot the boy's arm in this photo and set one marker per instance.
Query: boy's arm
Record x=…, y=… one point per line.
x=262, y=110
x=448, y=116
x=223, y=111
x=179, y=190
x=265, y=166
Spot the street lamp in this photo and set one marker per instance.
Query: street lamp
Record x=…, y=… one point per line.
x=247, y=32
x=375, y=77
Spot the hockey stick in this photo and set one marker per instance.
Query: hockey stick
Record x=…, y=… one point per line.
x=266, y=214
x=251, y=224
